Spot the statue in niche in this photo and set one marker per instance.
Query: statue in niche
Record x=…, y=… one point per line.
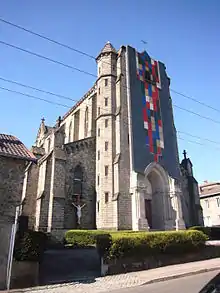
x=78, y=211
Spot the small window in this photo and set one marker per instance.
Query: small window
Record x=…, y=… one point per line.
x=218, y=201
x=106, y=145
x=106, y=170
x=99, y=70
x=113, y=67
x=98, y=131
x=106, y=197
x=99, y=91
x=207, y=203
x=106, y=102
x=98, y=206
x=98, y=155
x=98, y=111
x=106, y=123
x=98, y=180
x=106, y=82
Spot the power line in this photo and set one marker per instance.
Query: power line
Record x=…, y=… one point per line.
x=37, y=89
x=198, y=143
x=66, y=106
x=197, y=114
x=34, y=97
x=88, y=73
x=199, y=137
x=47, y=38
x=63, y=97
x=195, y=100
x=47, y=58
x=87, y=55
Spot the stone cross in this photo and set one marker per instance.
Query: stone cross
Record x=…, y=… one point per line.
x=78, y=211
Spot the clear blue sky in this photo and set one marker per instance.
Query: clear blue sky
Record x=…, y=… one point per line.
x=182, y=34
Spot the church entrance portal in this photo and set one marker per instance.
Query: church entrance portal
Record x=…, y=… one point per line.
x=156, y=202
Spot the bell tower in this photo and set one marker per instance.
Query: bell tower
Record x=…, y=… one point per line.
x=106, y=208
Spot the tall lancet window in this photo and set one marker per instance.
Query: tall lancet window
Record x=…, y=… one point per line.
x=86, y=123
x=70, y=132
x=77, y=183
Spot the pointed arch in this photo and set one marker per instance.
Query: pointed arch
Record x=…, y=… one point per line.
x=86, y=122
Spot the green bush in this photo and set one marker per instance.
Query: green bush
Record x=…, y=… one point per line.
x=213, y=233
x=144, y=244
x=82, y=238
x=103, y=244
x=30, y=246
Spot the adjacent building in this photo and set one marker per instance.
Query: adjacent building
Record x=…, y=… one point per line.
x=14, y=159
x=210, y=202
x=111, y=162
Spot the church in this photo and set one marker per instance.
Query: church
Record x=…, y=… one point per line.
x=111, y=162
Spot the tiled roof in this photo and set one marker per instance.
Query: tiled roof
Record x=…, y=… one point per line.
x=209, y=189
x=10, y=146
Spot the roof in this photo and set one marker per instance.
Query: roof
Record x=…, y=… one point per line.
x=209, y=189
x=90, y=91
x=108, y=48
x=11, y=146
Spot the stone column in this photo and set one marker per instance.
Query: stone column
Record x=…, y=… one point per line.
x=180, y=225
x=139, y=221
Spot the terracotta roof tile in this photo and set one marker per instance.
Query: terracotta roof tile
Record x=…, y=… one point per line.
x=11, y=146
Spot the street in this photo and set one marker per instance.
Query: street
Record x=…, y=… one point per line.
x=192, y=284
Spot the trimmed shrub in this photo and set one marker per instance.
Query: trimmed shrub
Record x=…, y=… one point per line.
x=213, y=233
x=82, y=238
x=141, y=245
x=30, y=247
x=103, y=244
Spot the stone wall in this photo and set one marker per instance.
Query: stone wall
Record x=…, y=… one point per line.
x=29, y=208
x=45, y=197
x=5, y=233
x=124, y=198
x=24, y=274
x=125, y=265
x=11, y=181
x=81, y=153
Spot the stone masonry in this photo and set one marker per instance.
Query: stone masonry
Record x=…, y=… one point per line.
x=96, y=155
x=14, y=159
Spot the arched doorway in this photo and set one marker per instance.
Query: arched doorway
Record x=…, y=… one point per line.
x=157, y=203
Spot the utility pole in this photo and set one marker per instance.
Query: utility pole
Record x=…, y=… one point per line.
x=11, y=245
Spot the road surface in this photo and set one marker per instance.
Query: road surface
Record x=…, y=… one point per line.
x=192, y=284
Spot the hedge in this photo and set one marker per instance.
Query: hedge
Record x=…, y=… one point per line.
x=82, y=238
x=30, y=246
x=141, y=245
x=213, y=233
x=122, y=244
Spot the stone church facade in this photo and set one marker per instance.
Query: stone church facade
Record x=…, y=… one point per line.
x=114, y=153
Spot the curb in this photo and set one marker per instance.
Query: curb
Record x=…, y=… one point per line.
x=181, y=275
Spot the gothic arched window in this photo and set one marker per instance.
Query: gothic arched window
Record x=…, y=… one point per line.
x=86, y=123
x=77, y=182
x=70, y=131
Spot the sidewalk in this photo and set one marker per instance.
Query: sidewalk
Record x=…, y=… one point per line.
x=132, y=279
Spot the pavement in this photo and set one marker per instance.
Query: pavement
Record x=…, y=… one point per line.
x=190, y=284
x=133, y=279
